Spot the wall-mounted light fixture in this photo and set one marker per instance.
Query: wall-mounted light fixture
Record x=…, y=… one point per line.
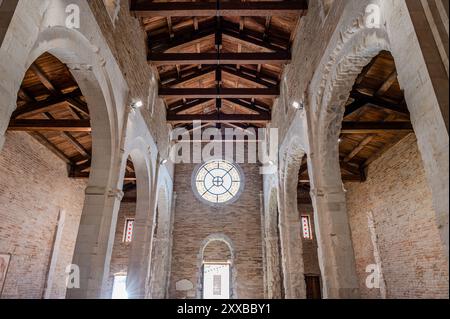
x=297, y=105
x=137, y=104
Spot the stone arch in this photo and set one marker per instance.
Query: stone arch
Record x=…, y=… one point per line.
x=329, y=91
x=232, y=253
x=357, y=47
x=74, y=50
x=137, y=151
x=290, y=235
x=353, y=49
x=47, y=33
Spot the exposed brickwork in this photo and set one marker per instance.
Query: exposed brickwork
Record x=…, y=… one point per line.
x=240, y=221
x=397, y=194
x=121, y=249
x=217, y=251
x=34, y=187
x=128, y=44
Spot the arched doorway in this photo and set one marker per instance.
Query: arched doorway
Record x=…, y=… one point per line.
x=217, y=277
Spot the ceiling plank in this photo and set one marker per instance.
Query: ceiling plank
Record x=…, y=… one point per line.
x=210, y=9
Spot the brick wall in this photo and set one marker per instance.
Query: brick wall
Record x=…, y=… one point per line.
x=34, y=187
x=240, y=221
x=121, y=249
x=396, y=192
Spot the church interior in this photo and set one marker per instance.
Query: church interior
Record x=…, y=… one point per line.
x=224, y=149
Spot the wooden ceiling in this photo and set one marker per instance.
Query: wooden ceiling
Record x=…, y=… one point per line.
x=52, y=109
x=219, y=61
x=378, y=117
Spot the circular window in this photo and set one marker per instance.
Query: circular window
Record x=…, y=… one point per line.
x=218, y=182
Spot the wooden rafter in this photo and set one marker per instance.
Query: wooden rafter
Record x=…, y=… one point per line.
x=50, y=125
x=244, y=93
x=219, y=58
x=375, y=127
x=208, y=9
x=219, y=118
x=362, y=100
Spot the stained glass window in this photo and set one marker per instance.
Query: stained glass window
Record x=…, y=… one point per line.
x=218, y=182
x=306, y=227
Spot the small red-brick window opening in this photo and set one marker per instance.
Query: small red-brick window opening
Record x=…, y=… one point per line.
x=128, y=233
x=306, y=227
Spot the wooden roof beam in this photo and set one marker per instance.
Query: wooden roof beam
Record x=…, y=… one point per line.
x=375, y=127
x=221, y=58
x=34, y=108
x=243, y=73
x=50, y=125
x=219, y=118
x=175, y=109
x=250, y=106
x=363, y=99
x=212, y=93
x=209, y=9
x=164, y=44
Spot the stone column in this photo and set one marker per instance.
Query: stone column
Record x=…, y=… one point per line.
x=420, y=65
x=292, y=250
x=273, y=267
x=95, y=242
x=159, y=269
x=336, y=256
x=140, y=254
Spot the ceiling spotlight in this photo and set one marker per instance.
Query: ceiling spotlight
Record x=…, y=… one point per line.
x=137, y=104
x=297, y=105
x=340, y=140
x=164, y=161
x=271, y=163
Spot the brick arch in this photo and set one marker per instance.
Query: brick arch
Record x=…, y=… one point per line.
x=201, y=255
x=46, y=31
